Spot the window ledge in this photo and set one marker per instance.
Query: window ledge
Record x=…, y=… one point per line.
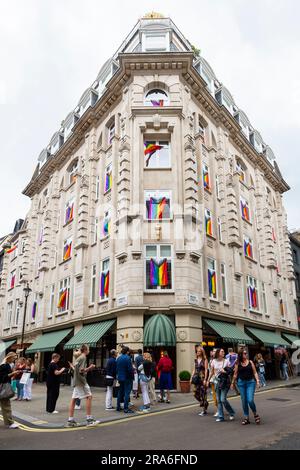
x=60, y=314
x=222, y=243
x=170, y=219
x=211, y=237
x=6, y=328
x=213, y=300
x=209, y=191
x=64, y=261
x=247, y=221
x=50, y=317
x=159, y=291
x=226, y=303
x=94, y=243
x=68, y=223
x=251, y=259
x=91, y=305
x=10, y=289
x=255, y=312
x=107, y=192
x=103, y=301
x=105, y=238
x=158, y=168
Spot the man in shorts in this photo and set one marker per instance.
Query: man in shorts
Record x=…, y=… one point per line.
x=82, y=388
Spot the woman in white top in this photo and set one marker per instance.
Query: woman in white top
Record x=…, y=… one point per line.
x=220, y=368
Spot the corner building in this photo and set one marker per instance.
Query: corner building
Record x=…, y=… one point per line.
x=156, y=217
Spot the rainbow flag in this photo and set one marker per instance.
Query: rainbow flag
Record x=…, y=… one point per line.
x=252, y=297
x=12, y=281
x=245, y=211
x=206, y=182
x=155, y=207
x=69, y=213
x=157, y=102
x=108, y=181
x=248, y=249
x=67, y=251
x=10, y=250
x=212, y=283
x=159, y=273
x=63, y=300
x=33, y=312
x=208, y=225
x=104, y=285
x=106, y=227
x=150, y=149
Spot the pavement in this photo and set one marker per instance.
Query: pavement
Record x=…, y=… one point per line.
x=33, y=414
x=174, y=429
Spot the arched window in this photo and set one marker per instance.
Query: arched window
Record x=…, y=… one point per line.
x=156, y=98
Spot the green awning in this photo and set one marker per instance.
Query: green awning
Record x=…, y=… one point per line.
x=229, y=332
x=48, y=341
x=89, y=334
x=159, y=331
x=4, y=345
x=269, y=338
x=292, y=339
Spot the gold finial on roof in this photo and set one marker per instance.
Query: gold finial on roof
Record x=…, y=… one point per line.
x=153, y=14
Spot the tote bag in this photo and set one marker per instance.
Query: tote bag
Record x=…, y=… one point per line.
x=25, y=377
x=6, y=391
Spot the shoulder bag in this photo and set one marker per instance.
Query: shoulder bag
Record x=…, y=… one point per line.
x=6, y=391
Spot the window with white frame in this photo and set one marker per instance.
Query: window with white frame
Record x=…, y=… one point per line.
x=217, y=180
x=93, y=283
x=219, y=220
x=73, y=170
x=69, y=211
x=97, y=188
x=263, y=297
x=106, y=224
x=158, y=267
x=157, y=205
x=206, y=177
x=248, y=247
x=156, y=98
x=63, y=295
x=9, y=314
x=157, y=154
x=111, y=133
x=20, y=273
x=208, y=222
x=17, y=313
x=245, y=212
x=52, y=300
x=67, y=250
x=96, y=228
x=223, y=282
x=252, y=293
x=108, y=178
x=22, y=246
x=240, y=168
x=212, y=278
x=12, y=279
x=104, y=280
x=152, y=42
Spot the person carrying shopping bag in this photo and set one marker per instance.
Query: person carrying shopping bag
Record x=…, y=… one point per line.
x=29, y=370
x=6, y=391
x=145, y=378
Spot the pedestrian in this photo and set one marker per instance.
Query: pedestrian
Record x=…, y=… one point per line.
x=76, y=355
x=212, y=383
x=125, y=374
x=53, y=383
x=221, y=370
x=138, y=361
x=232, y=357
x=6, y=373
x=151, y=384
x=82, y=388
x=199, y=379
x=246, y=375
x=28, y=386
x=111, y=372
x=20, y=366
x=145, y=379
x=269, y=366
x=284, y=366
x=260, y=367
x=165, y=366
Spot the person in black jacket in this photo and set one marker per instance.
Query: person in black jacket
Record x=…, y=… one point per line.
x=5, y=377
x=111, y=371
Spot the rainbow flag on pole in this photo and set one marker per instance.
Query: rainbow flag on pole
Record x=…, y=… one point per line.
x=69, y=212
x=248, y=248
x=245, y=211
x=150, y=149
x=10, y=250
x=104, y=284
x=156, y=207
x=67, y=250
x=157, y=103
x=159, y=273
x=208, y=224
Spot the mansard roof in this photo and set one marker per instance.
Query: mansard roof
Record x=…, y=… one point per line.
x=154, y=28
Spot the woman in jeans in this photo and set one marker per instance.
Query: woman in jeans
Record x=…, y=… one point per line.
x=247, y=379
x=6, y=374
x=219, y=366
x=211, y=382
x=201, y=371
x=260, y=367
x=20, y=367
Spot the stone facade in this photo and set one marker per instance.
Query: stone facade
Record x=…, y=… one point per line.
x=202, y=135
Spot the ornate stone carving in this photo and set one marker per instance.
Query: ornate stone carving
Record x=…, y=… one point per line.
x=136, y=335
x=182, y=335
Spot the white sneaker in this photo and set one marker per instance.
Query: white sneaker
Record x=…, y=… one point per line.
x=55, y=412
x=231, y=418
x=202, y=413
x=216, y=415
x=92, y=422
x=13, y=426
x=77, y=407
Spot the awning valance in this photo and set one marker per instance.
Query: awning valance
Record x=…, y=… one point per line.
x=48, y=341
x=4, y=345
x=90, y=334
x=269, y=338
x=292, y=339
x=159, y=331
x=229, y=332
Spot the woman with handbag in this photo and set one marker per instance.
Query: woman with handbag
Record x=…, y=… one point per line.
x=220, y=368
x=211, y=383
x=6, y=391
x=28, y=386
x=199, y=379
x=145, y=377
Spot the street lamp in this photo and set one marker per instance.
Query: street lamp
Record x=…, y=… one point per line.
x=27, y=291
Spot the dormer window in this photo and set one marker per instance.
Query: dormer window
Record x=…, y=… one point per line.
x=156, y=98
x=153, y=42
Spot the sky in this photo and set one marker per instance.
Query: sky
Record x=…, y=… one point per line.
x=52, y=50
